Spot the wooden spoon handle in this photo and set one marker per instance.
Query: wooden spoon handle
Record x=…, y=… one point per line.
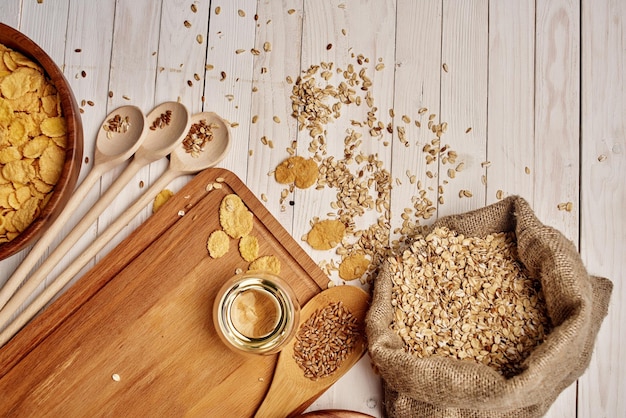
x=40, y=274
x=44, y=241
x=64, y=277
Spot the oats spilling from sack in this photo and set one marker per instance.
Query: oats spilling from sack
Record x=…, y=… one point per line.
x=320, y=96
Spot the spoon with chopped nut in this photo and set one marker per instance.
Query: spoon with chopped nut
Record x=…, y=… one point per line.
x=120, y=136
x=214, y=136
x=306, y=367
x=169, y=123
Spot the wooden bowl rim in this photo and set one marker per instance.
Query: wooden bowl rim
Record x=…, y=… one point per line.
x=62, y=191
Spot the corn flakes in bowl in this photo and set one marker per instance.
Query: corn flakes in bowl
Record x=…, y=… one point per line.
x=41, y=141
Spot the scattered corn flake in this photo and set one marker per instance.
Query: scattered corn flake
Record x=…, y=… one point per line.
x=218, y=243
x=298, y=170
x=268, y=263
x=235, y=218
x=326, y=234
x=249, y=247
x=160, y=199
x=354, y=266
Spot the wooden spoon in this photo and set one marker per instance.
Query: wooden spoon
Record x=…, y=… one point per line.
x=334, y=413
x=110, y=152
x=181, y=163
x=156, y=144
x=291, y=392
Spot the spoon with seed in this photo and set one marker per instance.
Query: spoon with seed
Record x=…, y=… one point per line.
x=169, y=123
x=182, y=162
x=119, y=137
x=291, y=392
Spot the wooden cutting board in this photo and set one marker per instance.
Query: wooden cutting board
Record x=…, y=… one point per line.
x=143, y=314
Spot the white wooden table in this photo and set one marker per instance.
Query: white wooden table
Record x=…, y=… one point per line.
x=540, y=83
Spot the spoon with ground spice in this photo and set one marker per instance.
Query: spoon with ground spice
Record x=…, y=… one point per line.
x=329, y=341
x=209, y=131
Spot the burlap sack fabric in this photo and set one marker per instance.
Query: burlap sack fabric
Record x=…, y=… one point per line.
x=444, y=387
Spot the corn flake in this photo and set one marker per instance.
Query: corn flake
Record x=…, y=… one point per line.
x=20, y=171
x=6, y=113
x=51, y=164
x=160, y=199
x=35, y=147
x=235, y=218
x=326, y=234
x=218, y=243
x=354, y=266
x=9, y=154
x=53, y=127
x=249, y=247
x=268, y=263
x=298, y=170
x=26, y=214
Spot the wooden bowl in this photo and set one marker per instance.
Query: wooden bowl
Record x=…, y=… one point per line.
x=64, y=188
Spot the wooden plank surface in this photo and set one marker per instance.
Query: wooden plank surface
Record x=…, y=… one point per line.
x=603, y=196
x=540, y=84
x=144, y=313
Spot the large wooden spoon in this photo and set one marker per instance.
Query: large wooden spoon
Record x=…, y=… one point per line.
x=291, y=392
x=181, y=163
x=112, y=149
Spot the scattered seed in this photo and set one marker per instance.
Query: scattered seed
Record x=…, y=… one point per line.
x=116, y=377
x=601, y=157
x=291, y=11
x=241, y=13
x=187, y=24
x=218, y=9
x=199, y=38
x=527, y=170
x=194, y=8
x=267, y=47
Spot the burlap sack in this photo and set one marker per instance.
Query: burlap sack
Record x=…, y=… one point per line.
x=444, y=387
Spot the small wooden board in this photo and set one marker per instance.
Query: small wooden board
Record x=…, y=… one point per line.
x=143, y=313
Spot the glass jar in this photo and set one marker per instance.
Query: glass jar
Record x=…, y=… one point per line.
x=256, y=313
